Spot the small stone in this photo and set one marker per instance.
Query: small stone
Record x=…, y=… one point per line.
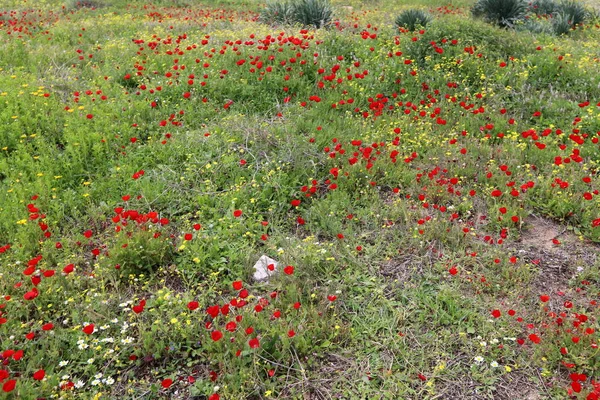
x=262, y=272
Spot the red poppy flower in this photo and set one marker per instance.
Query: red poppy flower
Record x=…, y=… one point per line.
x=253, y=343
x=213, y=376
x=289, y=270
x=496, y=313
x=535, y=338
x=39, y=375
x=18, y=355
x=237, y=285
x=237, y=213
x=231, y=326
x=88, y=329
x=166, y=383
x=192, y=305
x=216, y=335
x=213, y=311
x=9, y=386
x=138, y=308
x=32, y=294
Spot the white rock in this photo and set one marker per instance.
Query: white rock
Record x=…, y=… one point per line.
x=262, y=272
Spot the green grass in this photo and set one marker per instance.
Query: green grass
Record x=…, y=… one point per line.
x=428, y=187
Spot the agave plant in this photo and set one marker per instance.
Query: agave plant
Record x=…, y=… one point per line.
x=561, y=24
x=504, y=13
x=277, y=12
x=574, y=11
x=411, y=19
x=544, y=7
x=317, y=13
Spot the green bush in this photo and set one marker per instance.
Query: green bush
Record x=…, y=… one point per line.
x=594, y=15
x=413, y=18
x=277, y=13
x=316, y=13
x=504, y=13
x=140, y=251
x=534, y=25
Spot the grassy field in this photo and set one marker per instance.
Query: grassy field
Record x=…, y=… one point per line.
x=430, y=199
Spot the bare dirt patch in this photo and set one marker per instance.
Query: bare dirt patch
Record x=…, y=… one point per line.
x=559, y=260
x=540, y=234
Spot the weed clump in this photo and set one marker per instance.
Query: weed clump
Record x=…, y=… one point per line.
x=79, y=4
